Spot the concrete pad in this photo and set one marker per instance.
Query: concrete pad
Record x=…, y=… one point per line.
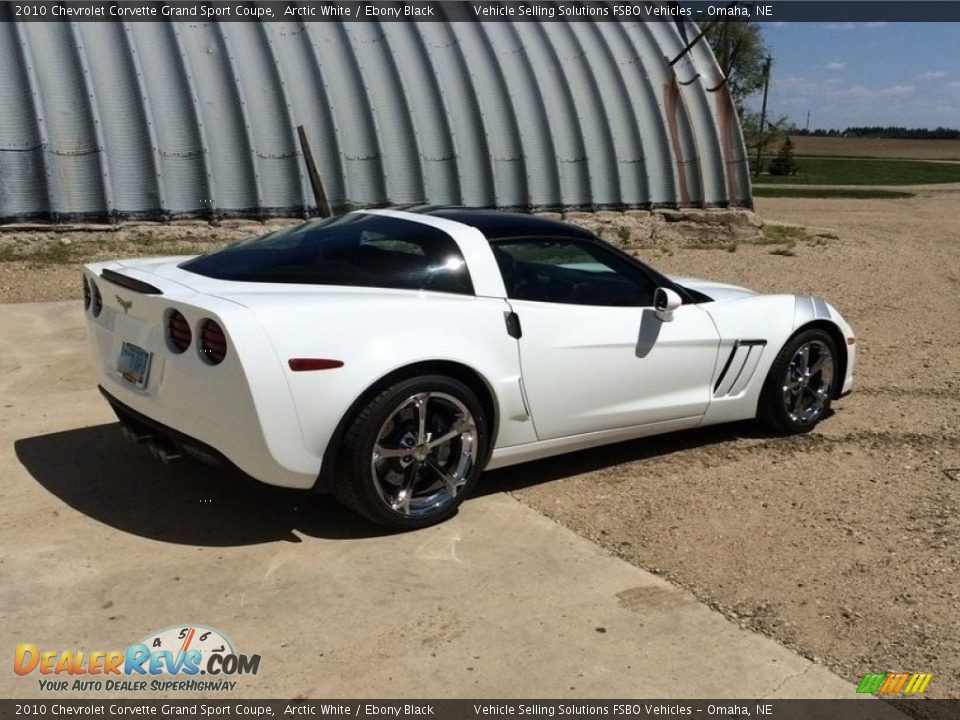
x=100, y=545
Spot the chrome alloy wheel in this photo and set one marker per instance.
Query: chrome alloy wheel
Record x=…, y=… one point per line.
x=808, y=382
x=424, y=453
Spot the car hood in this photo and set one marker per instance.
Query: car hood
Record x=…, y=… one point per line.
x=715, y=290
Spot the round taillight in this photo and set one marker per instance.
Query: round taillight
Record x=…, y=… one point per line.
x=179, y=334
x=86, y=293
x=213, y=343
x=96, y=302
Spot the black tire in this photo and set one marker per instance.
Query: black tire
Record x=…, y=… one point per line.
x=777, y=395
x=362, y=490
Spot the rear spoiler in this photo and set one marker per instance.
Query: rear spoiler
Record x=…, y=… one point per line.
x=130, y=283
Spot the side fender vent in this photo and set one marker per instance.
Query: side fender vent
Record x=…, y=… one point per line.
x=739, y=368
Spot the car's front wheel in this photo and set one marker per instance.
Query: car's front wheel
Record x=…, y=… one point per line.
x=413, y=453
x=798, y=389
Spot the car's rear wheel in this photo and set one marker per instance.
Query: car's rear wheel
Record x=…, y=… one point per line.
x=799, y=388
x=411, y=456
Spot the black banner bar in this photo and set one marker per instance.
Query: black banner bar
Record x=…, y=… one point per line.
x=845, y=11
x=866, y=708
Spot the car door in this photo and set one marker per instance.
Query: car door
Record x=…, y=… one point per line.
x=593, y=354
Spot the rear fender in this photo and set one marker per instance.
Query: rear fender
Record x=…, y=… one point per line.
x=410, y=329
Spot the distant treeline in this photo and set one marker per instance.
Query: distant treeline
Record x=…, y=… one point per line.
x=899, y=133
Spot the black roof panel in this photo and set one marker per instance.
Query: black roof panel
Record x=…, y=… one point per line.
x=495, y=224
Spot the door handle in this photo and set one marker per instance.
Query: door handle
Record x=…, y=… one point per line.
x=513, y=325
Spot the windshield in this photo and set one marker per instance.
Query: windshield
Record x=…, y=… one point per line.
x=355, y=250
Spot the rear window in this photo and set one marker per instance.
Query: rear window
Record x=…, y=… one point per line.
x=356, y=250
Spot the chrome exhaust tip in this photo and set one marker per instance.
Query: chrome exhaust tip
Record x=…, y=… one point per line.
x=162, y=451
x=159, y=447
x=135, y=437
x=153, y=448
x=168, y=457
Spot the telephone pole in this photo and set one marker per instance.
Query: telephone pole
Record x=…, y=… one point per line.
x=763, y=116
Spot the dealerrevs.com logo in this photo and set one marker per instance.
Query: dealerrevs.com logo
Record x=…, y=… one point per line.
x=168, y=660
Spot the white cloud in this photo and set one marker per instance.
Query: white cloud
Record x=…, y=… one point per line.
x=858, y=92
x=897, y=90
x=834, y=66
x=932, y=75
x=832, y=87
x=855, y=26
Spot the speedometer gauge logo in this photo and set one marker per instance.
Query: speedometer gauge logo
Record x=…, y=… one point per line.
x=201, y=641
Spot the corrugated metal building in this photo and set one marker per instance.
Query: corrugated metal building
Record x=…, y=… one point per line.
x=177, y=119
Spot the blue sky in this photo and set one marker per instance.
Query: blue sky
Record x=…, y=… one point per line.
x=852, y=74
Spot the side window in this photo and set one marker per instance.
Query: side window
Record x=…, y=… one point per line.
x=572, y=273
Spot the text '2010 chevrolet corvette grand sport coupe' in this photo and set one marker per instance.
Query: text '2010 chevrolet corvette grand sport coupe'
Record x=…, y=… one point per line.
x=389, y=356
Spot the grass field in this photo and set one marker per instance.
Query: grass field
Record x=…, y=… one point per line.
x=877, y=147
x=867, y=171
x=831, y=192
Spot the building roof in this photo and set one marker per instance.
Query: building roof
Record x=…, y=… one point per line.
x=187, y=119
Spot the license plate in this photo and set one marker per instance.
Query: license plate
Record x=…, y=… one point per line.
x=134, y=364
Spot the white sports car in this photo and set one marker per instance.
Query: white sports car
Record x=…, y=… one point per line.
x=389, y=356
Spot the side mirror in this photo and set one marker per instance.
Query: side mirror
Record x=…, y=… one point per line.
x=665, y=301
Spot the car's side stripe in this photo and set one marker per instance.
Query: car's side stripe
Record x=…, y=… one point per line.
x=809, y=308
x=820, y=308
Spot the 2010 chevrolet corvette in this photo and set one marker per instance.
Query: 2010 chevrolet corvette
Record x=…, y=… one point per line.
x=389, y=356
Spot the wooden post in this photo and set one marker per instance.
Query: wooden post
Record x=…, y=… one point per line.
x=319, y=195
x=761, y=140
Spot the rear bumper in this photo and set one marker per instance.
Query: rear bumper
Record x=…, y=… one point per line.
x=165, y=441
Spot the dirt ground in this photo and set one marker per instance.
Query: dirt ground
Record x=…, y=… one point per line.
x=842, y=544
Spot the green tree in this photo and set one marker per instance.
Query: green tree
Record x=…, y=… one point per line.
x=741, y=53
x=774, y=130
x=784, y=163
